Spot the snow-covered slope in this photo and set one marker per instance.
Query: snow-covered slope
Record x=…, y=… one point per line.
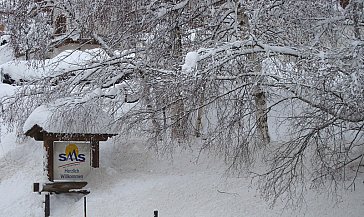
x=131, y=181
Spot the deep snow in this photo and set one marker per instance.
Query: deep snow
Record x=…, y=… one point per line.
x=132, y=181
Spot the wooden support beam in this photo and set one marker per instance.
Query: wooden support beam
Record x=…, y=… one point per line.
x=36, y=187
x=47, y=205
x=64, y=187
x=78, y=137
x=48, y=144
x=95, y=154
x=84, y=206
x=39, y=134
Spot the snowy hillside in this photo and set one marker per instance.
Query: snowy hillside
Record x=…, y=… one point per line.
x=132, y=182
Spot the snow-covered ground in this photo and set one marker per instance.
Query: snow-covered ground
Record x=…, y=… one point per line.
x=132, y=181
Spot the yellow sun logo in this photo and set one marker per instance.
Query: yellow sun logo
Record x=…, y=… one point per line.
x=70, y=149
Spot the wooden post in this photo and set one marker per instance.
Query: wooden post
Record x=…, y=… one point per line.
x=47, y=206
x=36, y=187
x=84, y=205
x=155, y=213
x=48, y=144
x=95, y=154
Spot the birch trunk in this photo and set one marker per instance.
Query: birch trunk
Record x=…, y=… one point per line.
x=259, y=94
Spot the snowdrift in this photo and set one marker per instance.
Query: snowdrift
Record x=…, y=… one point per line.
x=132, y=181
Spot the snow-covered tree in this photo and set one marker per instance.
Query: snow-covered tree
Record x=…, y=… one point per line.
x=278, y=81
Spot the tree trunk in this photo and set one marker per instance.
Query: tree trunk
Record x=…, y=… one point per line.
x=178, y=116
x=198, y=126
x=259, y=94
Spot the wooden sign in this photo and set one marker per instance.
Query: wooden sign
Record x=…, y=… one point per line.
x=71, y=160
x=51, y=138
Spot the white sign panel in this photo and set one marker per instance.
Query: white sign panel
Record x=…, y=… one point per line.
x=71, y=160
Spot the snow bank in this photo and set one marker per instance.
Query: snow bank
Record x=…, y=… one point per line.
x=6, y=53
x=65, y=61
x=131, y=181
x=6, y=90
x=20, y=167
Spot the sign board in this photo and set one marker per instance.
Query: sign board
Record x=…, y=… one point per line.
x=71, y=160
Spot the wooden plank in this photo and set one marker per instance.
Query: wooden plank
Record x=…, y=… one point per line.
x=63, y=187
x=36, y=132
x=79, y=137
x=73, y=137
x=39, y=134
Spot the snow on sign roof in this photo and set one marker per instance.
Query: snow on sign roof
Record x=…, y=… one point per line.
x=53, y=119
